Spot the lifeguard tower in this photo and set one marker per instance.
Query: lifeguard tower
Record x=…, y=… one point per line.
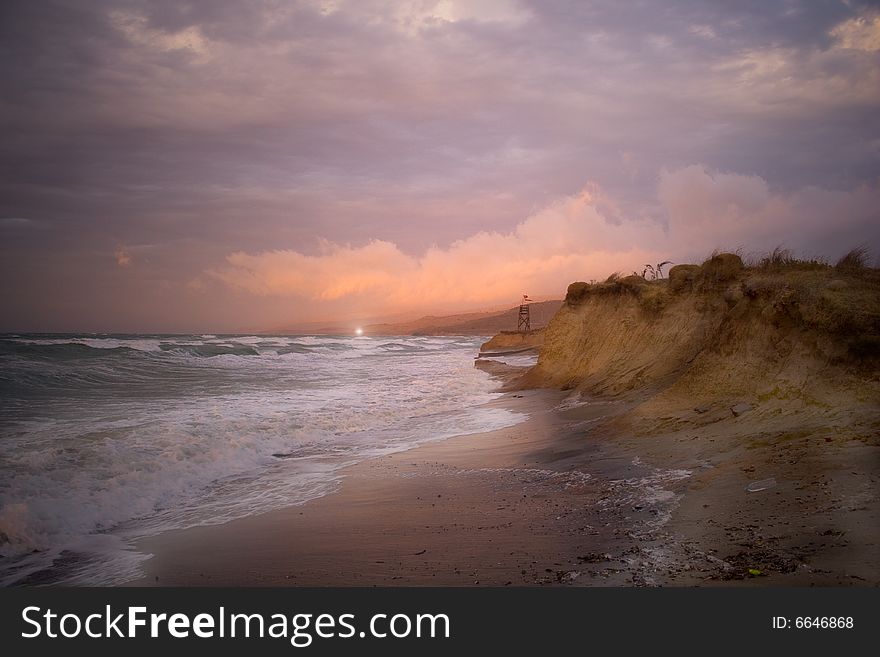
x=524, y=323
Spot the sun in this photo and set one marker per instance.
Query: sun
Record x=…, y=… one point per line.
x=359, y=331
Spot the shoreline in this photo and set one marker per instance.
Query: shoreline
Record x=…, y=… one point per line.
x=577, y=494
x=515, y=506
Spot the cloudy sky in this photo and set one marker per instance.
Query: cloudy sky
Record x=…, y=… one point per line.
x=220, y=165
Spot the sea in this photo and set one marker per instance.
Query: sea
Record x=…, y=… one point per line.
x=105, y=439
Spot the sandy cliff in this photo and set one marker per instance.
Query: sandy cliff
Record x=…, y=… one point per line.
x=796, y=332
x=742, y=379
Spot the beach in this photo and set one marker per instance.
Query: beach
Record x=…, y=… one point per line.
x=322, y=461
x=508, y=507
x=569, y=497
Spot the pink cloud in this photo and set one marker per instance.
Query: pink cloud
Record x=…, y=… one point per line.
x=568, y=240
x=579, y=237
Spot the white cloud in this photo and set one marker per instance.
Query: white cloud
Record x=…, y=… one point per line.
x=413, y=16
x=725, y=210
x=693, y=196
x=861, y=33
x=791, y=82
x=705, y=31
x=137, y=29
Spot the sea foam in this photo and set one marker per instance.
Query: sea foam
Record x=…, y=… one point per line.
x=106, y=439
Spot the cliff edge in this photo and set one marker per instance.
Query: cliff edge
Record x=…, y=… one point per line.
x=801, y=332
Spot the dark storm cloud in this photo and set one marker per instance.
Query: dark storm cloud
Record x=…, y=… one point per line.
x=180, y=132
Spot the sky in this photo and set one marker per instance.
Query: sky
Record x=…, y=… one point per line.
x=177, y=166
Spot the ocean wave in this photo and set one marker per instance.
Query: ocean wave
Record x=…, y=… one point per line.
x=55, y=349
x=294, y=349
x=398, y=346
x=59, y=351
x=100, y=438
x=137, y=344
x=210, y=350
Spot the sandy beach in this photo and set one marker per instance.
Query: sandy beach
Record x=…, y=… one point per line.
x=573, y=496
x=517, y=506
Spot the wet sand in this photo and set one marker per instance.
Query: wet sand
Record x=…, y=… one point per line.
x=517, y=506
x=576, y=495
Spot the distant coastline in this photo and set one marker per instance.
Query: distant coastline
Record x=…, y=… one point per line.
x=472, y=323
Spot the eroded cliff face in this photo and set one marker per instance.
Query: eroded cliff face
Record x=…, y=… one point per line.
x=720, y=332
x=608, y=344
